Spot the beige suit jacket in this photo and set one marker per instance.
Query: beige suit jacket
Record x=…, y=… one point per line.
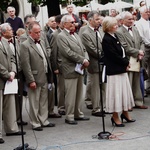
x=32, y=62
x=131, y=44
x=7, y=62
x=72, y=51
x=89, y=40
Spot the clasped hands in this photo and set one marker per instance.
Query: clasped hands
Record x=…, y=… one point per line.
x=85, y=64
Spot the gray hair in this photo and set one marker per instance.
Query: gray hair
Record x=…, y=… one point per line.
x=125, y=14
x=27, y=17
x=10, y=7
x=91, y=14
x=4, y=27
x=66, y=18
x=143, y=9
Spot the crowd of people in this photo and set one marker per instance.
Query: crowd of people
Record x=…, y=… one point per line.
x=53, y=64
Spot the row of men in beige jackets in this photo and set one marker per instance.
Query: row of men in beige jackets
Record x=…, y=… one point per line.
x=73, y=54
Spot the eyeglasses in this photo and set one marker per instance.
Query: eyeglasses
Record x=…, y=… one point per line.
x=72, y=22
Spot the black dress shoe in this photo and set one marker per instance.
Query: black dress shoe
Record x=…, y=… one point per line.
x=73, y=122
x=23, y=123
x=141, y=107
x=82, y=119
x=15, y=133
x=125, y=118
x=115, y=124
x=62, y=112
x=1, y=141
x=54, y=115
x=98, y=114
x=38, y=129
x=107, y=112
x=89, y=106
x=49, y=125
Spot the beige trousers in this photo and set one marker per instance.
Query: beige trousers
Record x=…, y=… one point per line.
x=38, y=102
x=73, y=98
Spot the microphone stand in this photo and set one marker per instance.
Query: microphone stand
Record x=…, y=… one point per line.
x=104, y=134
x=19, y=99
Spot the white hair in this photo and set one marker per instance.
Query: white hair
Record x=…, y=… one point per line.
x=143, y=9
x=125, y=14
x=66, y=18
x=11, y=8
x=4, y=27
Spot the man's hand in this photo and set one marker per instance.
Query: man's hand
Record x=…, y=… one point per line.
x=32, y=85
x=56, y=71
x=127, y=69
x=85, y=64
x=12, y=76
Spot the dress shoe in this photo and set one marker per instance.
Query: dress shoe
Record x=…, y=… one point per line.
x=125, y=118
x=89, y=106
x=82, y=119
x=23, y=123
x=15, y=133
x=1, y=141
x=54, y=115
x=62, y=112
x=98, y=114
x=107, y=112
x=73, y=122
x=141, y=107
x=38, y=129
x=49, y=125
x=145, y=95
x=115, y=124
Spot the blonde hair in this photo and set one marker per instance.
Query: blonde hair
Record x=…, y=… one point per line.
x=20, y=31
x=108, y=23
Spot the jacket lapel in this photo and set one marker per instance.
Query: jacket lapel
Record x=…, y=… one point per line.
x=5, y=46
x=127, y=34
x=33, y=45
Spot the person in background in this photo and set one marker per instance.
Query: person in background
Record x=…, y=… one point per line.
x=52, y=27
x=143, y=26
x=90, y=42
x=13, y=20
x=56, y=67
x=142, y=3
x=134, y=47
x=19, y=32
x=119, y=96
x=76, y=18
x=113, y=13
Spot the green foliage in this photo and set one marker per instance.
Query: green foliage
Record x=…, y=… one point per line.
x=4, y=4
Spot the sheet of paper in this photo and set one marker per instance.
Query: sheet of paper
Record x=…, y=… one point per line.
x=78, y=69
x=11, y=87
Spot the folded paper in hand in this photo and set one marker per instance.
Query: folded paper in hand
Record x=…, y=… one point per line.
x=78, y=68
x=134, y=64
x=11, y=87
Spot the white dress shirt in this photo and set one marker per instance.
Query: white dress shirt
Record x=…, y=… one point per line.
x=143, y=27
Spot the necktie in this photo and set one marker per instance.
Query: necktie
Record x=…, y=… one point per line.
x=130, y=29
x=10, y=41
x=37, y=41
x=71, y=33
x=95, y=29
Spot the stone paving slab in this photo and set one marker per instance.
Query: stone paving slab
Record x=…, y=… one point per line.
x=134, y=136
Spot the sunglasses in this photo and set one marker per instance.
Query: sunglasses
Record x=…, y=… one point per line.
x=72, y=22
